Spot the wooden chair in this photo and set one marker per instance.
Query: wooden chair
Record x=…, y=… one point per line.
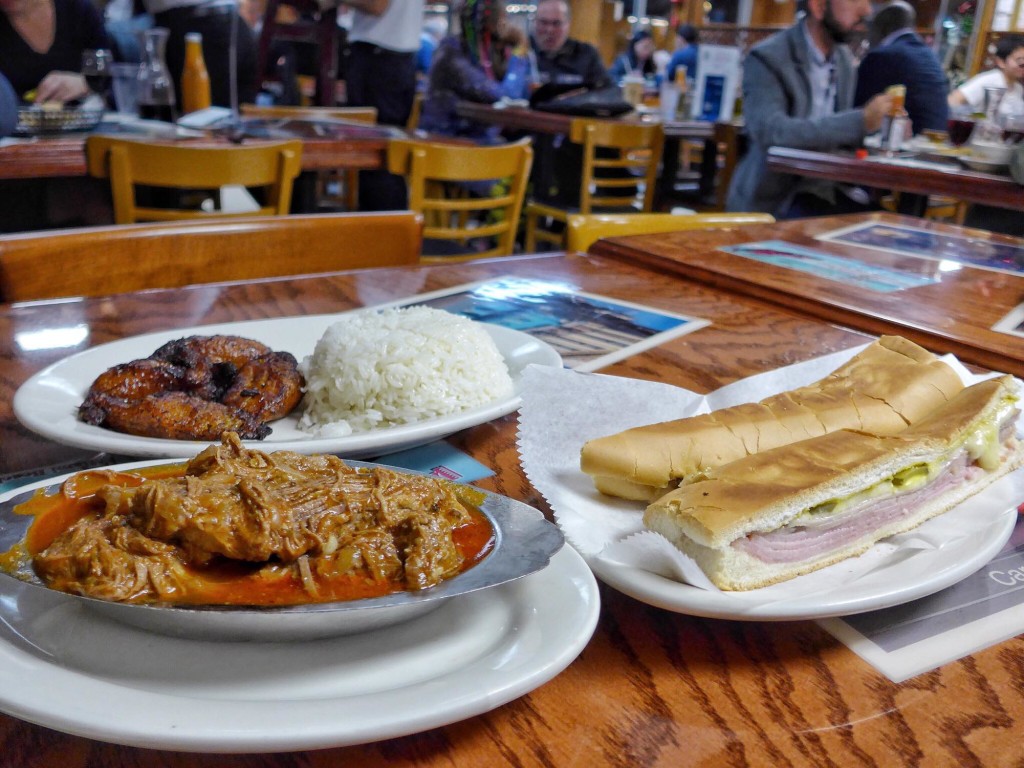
x=130, y=164
x=583, y=230
x=728, y=137
x=98, y=261
x=939, y=207
x=316, y=23
x=628, y=164
x=414, y=115
x=347, y=179
x=440, y=177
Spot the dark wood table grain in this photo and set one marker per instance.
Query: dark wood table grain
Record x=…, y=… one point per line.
x=652, y=688
x=953, y=314
x=951, y=179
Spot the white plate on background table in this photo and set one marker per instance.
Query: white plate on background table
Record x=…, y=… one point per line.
x=48, y=402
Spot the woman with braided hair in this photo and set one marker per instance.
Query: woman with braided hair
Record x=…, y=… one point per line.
x=486, y=61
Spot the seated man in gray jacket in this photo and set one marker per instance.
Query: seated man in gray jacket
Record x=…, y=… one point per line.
x=798, y=88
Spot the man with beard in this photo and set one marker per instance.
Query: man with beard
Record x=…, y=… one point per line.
x=798, y=88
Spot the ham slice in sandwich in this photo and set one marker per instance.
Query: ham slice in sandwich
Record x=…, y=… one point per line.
x=784, y=512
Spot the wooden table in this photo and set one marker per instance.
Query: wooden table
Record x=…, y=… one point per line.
x=539, y=121
x=652, y=687
x=355, y=146
x=944, y=179
x=953, y=314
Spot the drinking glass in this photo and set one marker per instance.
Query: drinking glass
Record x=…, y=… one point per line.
x=1013, y=128
x=960, y=126
x=97, y=66
x=126, y=88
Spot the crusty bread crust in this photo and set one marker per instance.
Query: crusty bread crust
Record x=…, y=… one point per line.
x=763, y=492
x=766, y=491
x=730, y=568
x=890, y=384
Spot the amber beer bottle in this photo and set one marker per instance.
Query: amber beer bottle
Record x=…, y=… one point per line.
x=195, y=80
x=896, y=122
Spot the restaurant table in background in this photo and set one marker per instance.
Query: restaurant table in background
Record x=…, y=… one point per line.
x=326, y=145
x=941, y=285
x=652, y=687
x=525, y=120
x=901, y=174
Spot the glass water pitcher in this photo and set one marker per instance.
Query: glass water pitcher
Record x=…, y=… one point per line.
x=156, y=86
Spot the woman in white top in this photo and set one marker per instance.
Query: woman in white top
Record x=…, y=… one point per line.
x=1009, y=55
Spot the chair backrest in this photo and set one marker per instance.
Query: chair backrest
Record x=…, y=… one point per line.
x=449, y=182
x=98, y=261
x=414, y=114
x=583, y=230
x=128, y=164
x=313, y=22
x=620, y=163
x=354, y=114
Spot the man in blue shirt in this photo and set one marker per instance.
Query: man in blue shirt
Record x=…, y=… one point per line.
x=685, y=54
x=899, y=56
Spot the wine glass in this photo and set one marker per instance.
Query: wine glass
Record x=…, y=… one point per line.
x=961, y=125
x=97, y=67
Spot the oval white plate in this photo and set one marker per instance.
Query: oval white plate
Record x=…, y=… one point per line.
x=48, y=402
x=473, y=654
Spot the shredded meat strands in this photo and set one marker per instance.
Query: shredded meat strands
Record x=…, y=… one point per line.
x=314, y=516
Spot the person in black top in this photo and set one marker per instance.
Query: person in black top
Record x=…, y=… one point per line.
x=560, y=59
x=47, y=57
x=41, y=44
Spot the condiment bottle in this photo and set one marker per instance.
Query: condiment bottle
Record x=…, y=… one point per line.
x=683, y=104
x=195, y=80
x=896, y=123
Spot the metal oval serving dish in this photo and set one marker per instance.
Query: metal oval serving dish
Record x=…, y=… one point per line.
x=524, y=543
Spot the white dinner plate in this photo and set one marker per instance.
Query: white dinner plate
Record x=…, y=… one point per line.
x=983, y=165
x=609, y=532
x=48, y=402
x=71, y=669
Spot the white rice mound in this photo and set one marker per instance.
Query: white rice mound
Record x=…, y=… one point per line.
x=380, y=368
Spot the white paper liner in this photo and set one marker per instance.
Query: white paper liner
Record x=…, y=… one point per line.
x=562, y=409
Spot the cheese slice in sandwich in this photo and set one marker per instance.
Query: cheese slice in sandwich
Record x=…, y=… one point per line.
x=886, y=387
x=791, y=510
